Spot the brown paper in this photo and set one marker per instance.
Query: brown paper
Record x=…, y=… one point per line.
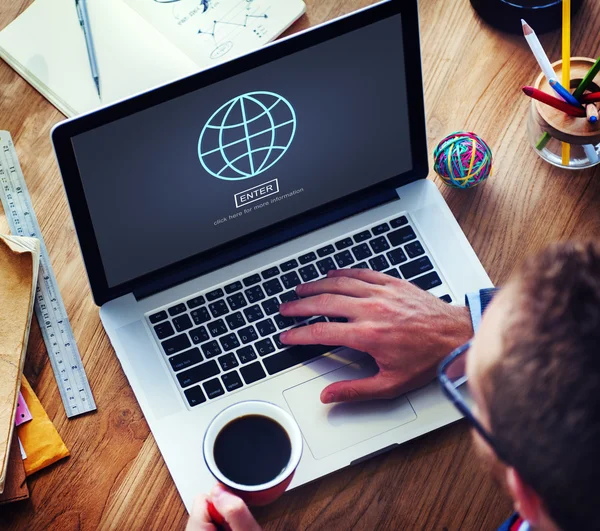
x=15, y=488
x=19, y=260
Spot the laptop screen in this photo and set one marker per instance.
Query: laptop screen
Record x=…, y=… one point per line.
x=222, y=162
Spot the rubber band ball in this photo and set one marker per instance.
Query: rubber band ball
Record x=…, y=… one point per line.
x=463, y=160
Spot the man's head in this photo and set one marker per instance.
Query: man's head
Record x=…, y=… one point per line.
x=534, y=372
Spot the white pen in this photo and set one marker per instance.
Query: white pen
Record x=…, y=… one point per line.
x=538, y=51
x=84, y=21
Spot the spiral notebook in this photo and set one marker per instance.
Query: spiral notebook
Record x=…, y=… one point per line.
x=140, y=44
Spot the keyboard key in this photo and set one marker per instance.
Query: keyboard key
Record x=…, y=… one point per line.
x=324, y=251
x=278, y=344
x=264, y=347
x=393, y=273
x=163, y=330
x=200, y=315
x=272, y=287
x=289, y=265
x=380, y=229
x=265, y=327
x=233, y=287
x=199, y=373
x=214, y=294
x=283, y=322
x=362, y=236
x=416, y=267
x=211, y=349
x=270, y=273
x=199, y=335
x=317, y=320
x=248, y=334
x=306, y=258
x=379, y=263
x=400, y=236
x=344, y=259
x=232, y=381
x=414, y=249
x=194, y=396
x=255, y=294
x=246, y=354
x=289, y=297
x=294, y=356
x=290, y=280
x=218, y=308
x=182, y=323
x=428, y=281
x=185, y=359
x=343, y=244
x=254, y=313
x=157, y=317
x=397, y=256
x=176, y=344
x=216, y=328
x=446, y=298
x=361, y=265
x=251, y=280
x=337, y=320
x=361, y=251
x=228, y=361
x=213, y=388
x=253, y=372
x=325, y=265
x=236, y=301
x=308, y=273
x=379, y=244
x=195, y=302
x=229, y=342
x=177, y=309
x=235, y=320
x=398, y=222
x=270, y=306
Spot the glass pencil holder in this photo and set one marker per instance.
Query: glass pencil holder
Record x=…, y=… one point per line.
x=549, y=129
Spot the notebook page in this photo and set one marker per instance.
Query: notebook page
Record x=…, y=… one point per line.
x=46, y=46
x=214, y=31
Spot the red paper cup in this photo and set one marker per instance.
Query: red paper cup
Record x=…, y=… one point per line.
x=255, y=494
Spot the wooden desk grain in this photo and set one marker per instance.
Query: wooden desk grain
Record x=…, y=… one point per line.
x=115, y=477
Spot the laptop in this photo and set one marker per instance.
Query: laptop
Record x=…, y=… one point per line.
x=200, y=206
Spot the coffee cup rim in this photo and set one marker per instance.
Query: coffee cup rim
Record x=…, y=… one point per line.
x=253, y=407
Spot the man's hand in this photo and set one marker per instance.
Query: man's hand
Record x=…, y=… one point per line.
x=407, y=330
x=232, y=509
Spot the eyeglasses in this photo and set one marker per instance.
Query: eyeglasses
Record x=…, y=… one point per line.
x=453, y=379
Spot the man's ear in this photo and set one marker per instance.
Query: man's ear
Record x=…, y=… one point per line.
x=527, y=503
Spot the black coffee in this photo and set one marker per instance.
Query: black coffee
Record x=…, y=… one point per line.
x=252, y=450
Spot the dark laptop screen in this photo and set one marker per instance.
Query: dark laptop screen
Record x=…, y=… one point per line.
x=247, y=152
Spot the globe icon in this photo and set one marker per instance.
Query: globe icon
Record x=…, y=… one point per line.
x=247, y=135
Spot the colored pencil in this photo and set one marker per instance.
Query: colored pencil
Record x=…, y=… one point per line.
x=592, y=97
x=538, y=51
x=564, y=93
x=591, y=112
x=546, y=98
x=588, y=78
x=590, y=152
x=566, y=66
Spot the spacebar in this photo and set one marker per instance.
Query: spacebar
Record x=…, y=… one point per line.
x=293, y=356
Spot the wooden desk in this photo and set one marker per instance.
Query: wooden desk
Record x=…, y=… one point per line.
x=116, y=478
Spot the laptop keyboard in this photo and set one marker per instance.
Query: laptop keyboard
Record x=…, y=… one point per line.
x=227, y=338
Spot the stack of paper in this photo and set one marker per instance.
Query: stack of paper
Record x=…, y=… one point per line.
x=19, y=261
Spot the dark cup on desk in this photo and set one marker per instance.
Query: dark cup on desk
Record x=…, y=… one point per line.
x=253, y=448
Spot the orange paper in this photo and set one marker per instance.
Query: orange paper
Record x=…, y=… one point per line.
x=41, y=442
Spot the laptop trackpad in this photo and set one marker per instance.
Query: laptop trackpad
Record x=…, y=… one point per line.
x=330, y=428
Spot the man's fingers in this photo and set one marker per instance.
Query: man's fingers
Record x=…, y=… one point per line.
x=233, y=509
x=356, y=390
x=366, y=275
x=324, y=304
x=199, y=518
x=332, y=334
x=340, y=285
